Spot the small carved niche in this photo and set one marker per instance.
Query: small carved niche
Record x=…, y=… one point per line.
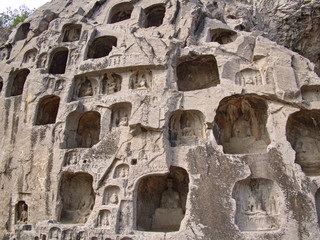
x=54, y=233
x=242, y=124
x=186, y=128
x=67, y=234
x=196, y=73
x=121, y=113
x=42, y=60
x=111, y=195
x=103, y=220
x=21, y=212
x=77, y=197
x=222, y=36
x=258, y=205
x=59, y=59
x=101, y=46
x=161, y=201
x=303, y=134
x=22, y=32
x=47, y=110
x=30, y=56
x=249, y=77
x=311, y=93
x=88, y=131
x=19, y=79
x=71, y=32
x=141, y=80
x=154, y=15
x=85, y=87
x=121, y=171
x=120, y=12
x=1, y=84
x=317, y=200
x=111, y=83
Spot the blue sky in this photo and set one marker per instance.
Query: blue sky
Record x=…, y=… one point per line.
x=4, y=4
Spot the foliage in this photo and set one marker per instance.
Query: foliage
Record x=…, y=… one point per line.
x=12, y=18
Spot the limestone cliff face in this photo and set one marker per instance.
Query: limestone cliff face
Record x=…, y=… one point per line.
x=161, y=120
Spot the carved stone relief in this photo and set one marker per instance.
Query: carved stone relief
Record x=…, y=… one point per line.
x=104, y=219
x=21, y=213
x=42, y=60
x=161, y=201
x=55, y=233
x=30, y=56
x=120, y=12
x=249, y=77
x=242, y=124
x=303, y=134
x=121, y=113
x=196, y=73
x=125, y=217
x=67, y=235
x=77, y=197
x=72, y=32
x=85, y=87
x=121, y=171
x=111, y=195
x=258, y=205
x=111, y=83
x=141, y=80
x=186, y=128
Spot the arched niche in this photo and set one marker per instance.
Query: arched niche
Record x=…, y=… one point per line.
x=21, y=212
x=22, y=32
x=186, y=127
x=258, y=204
x=121, y=171
x=111, y=195
x=42, y=60
x=1, y=84
x=67, y=234
x=303, y=134
x=58, y=61
x=241, y=120
x=88, y=129
x=71, y=32
x=154, y=15
x=104, y=219
x=120, y=12
x=101, y=46
x=161, y=201
x=85, y=87
x=120, y=115
x=141, y=80
x=111, y=83
x=198, y=72
x=222, y=36
x=30, y=56
x=47, y=110
x=19, y=78
x=54, y=233
x=82, y=130
x=81, y=235
x=77, y=197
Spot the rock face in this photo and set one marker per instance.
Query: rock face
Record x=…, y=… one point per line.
x=160, y=120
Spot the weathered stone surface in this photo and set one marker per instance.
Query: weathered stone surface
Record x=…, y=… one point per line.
x=160, y=120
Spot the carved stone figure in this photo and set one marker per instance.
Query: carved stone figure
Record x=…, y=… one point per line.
x=85, y=89
x=111, y=83
x=121, y=171
x=104, y=219
x=141, y=80
x=170, y=213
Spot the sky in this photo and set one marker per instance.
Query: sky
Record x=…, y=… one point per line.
x=14, y=4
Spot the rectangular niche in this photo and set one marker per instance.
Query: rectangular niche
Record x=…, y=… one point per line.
x=258, y=205
x=197, y=72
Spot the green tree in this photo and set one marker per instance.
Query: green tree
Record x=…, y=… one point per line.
x=12, y=18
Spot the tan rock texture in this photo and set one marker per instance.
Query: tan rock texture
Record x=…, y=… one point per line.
x=136, y=120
